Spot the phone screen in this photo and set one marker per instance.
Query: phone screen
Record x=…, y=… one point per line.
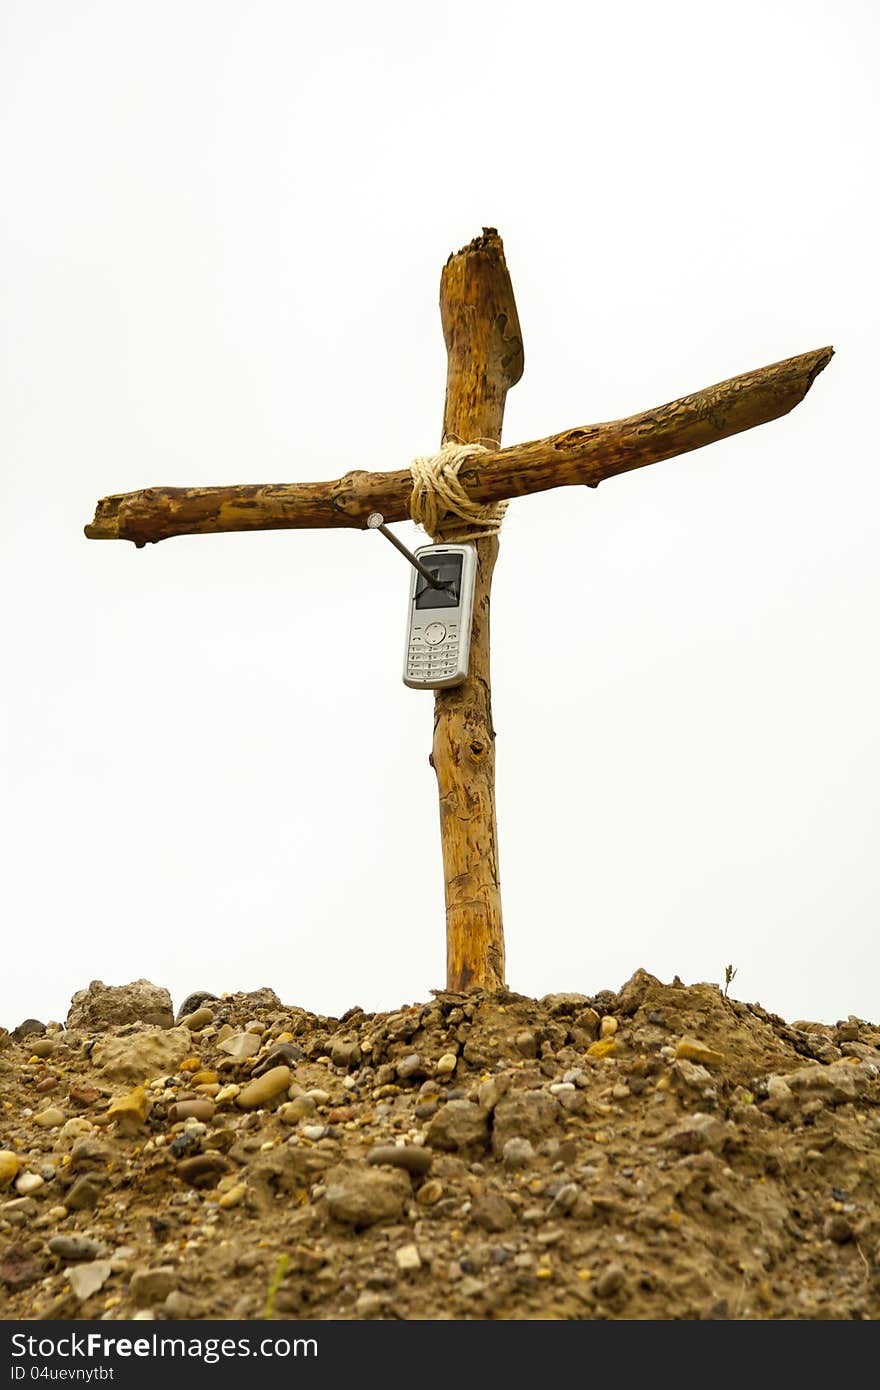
x=447, y=567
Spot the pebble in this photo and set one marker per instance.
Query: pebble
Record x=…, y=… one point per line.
x=526, y=1044
x=414, y=1159
x=130, y=1111
x=26, y=1184
x=313, y=1132
x=19, y=1209
x=28, y=1028
x=517, y=1153
x=696, y=1133
x=203, y=1170
x=227, y=1093
x=408, y=1258
x=77, y=1248
x=610, y=1281
x=608, y=1027
x=838, y=1229
x=429, y=1193
x=265, y=1088
x=86, y=1279
x=240, y=1046
x=605, y=1047
x=446, y=1064
x=459, y=1125
x=193, y=1002
x=532, y=1115
x=76, y=1128
x=191, y=1110
x=345, y=1052
x=83, y=1096
x=692, y=1050
x=87, y=1152
x=50, y=1118
x=150, y=1286
x=9, y=1166
x=198, y=1019
x=364, y=1198
x=85, y=1193
x=369, y=1305
x=177, y=1305
x=287, y=1054
x=43, y=1047
x=492, y=1212
x=565, y=1198
x=410, y=1066
x=233, y=1196
x=560, y=1088
x=292, y=1111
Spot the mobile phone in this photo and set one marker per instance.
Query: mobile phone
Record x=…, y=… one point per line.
x=438, y=629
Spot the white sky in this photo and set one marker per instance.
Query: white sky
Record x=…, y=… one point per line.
x=220, y=254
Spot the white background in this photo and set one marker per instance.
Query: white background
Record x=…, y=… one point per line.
x=223, y=230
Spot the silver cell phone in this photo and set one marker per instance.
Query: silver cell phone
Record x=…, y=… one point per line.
x=438, y=630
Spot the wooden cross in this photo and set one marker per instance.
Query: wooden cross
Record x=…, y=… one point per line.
x=485, y=358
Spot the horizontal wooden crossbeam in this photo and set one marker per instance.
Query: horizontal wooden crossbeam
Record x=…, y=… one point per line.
x=579, y=456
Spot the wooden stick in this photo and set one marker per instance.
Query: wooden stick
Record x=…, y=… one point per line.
x=579, y=456
x=485, y=358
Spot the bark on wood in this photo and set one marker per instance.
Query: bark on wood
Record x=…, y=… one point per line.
x=579, y=456
x=485, y=358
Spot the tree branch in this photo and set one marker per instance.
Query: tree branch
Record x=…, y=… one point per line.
x=578, y=456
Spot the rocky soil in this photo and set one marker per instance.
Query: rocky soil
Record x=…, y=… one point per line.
x=662, y=1152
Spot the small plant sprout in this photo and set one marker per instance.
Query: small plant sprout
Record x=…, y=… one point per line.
x=729, y=977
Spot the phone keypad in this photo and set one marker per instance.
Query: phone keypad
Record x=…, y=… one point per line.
x=431, y=661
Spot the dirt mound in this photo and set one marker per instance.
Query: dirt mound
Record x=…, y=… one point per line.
x=660, y=1152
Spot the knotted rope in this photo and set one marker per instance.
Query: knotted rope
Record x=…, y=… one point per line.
x=439, y=502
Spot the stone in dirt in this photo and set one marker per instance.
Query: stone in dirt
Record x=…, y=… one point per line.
x=194, y=1001
x=459, y=1125
x=698, y=1132
x=692, y=1049
x=86, y=1192
x=149, y=1286
x=32, y=1027
x=532, y=1115
x=142, y=1056
x=241, y=1046
x=631, y=995
x=203, y=1170
x=492, y=1212
x=365, y=1197
x=103, y=1006
x=413, y=1158
x=267, y=1087
x=130, y=1111
x=86, y=1279
x=837, y=1083
x=9, y=1166
x=19, y=1269
x=76, y=1248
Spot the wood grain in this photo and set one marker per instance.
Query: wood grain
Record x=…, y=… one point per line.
x=485, y=358
x=586, y=455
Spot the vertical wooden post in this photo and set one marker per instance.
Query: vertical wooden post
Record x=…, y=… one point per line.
x=485, y=358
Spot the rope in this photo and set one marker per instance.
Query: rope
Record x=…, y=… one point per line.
x=440, y=504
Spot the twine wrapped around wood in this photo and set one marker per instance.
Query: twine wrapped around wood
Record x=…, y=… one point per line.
x=439, y=502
